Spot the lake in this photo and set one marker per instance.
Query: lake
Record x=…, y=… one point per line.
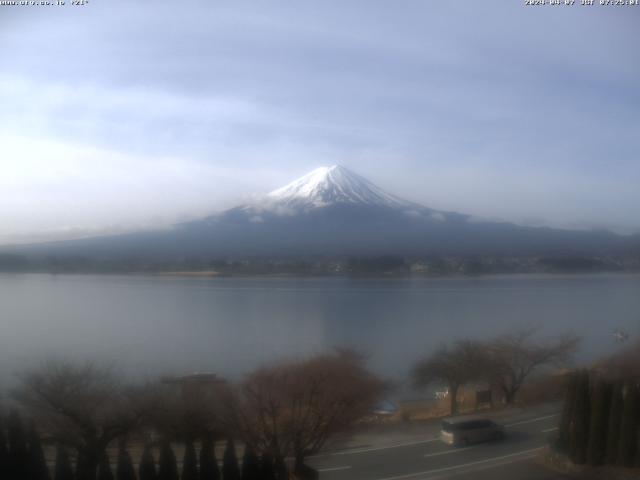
x=229, y=325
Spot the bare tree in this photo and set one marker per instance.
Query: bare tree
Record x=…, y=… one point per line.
x=454, y=366
x=514, y=356
x=83, y=406
x=291, y=409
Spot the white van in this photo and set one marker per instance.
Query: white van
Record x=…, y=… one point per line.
x=467, y=430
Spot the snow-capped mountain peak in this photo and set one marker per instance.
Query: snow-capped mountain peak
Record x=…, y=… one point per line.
x=333, y=185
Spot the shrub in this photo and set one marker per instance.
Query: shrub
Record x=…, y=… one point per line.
x=564, y=433
x=267, y=470
x=18, y=458
x=628, y=427
x=37, y=464
x=579, y=428
x=104, y=468
x=4, y=453
x=208, y=464
x=250, y=465
x=230, y=470
x=615, y=417
x=63, y=470
x=600, y=400
x=124, y=469
x=190, y=462
x=168, y=468
x=147, y=467
x=281, y=470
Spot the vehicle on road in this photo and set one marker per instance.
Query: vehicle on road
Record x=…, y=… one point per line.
x=467, y=430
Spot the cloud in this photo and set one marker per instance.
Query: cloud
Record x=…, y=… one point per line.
x=53, y=186
x=119, y=113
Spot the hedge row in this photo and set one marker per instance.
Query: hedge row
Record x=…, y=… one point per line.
x=600, y=421
x=22, y=458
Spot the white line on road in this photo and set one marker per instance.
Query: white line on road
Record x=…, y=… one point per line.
x=419, y=442
x=532, y=420
x=463, y=465
x=547, y=430
x=375, y=449
x=447, y=452
x=333, y=469
x=480, y=468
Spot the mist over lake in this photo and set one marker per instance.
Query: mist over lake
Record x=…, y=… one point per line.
x=155, y=325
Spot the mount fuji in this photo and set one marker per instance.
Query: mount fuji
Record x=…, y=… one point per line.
x=330, y=210
x=334, y=190
x=333, y=185
x=334, y=211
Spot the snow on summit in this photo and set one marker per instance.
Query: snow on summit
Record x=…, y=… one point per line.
x=333, y=185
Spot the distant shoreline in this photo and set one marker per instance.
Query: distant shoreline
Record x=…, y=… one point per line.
x=195, y=273
x=353, y=275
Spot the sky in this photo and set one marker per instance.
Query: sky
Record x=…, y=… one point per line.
x=121, y=115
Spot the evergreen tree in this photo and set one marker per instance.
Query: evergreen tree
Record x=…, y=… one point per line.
x=629, y=427
x=147, y=467
x=267, y=468
x=4, y=452
x=63, y=470
x=230, y=469
x=168, y=468
x=281, y=469
x=37, y=464
x=82, y=468
x=615, y=418
x=18, y=451
x=208, y=464
x=250, y=465
x=564, y=434
x=190, y=462
x=597, y=446
x=579, y=429
x=124, y=468
x=104, y=468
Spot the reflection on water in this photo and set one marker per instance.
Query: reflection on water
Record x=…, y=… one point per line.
x=229, y=325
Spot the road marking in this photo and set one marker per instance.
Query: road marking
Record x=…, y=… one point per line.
x=547, y=430
x=479, y=468
x=375, y=449
x=447, y=452
x=333, y=469
x=420, y=442
x=532, y=420
x=463, y=465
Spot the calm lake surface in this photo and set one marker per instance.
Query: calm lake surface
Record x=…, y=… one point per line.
x=152, y=325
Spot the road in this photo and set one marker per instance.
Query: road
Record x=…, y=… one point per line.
x=416, y=453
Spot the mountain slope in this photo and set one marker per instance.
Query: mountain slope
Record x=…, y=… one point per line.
x=329, y=192
x=333, y=211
